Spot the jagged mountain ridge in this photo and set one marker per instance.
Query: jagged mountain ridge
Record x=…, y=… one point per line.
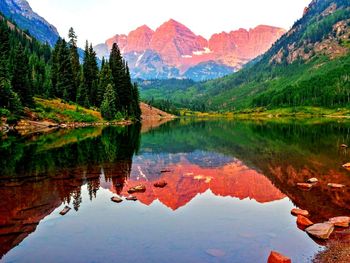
x=22, y=14
x=174, y=51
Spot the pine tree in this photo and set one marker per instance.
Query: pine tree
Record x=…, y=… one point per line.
x=74, y=59
x=9, y=99
x=54, y=68
x=136, y=110
x=20, y=77
x=117, y=68
x=108, y=104
x=105, y=79
x=65, y=79
x=5, y=49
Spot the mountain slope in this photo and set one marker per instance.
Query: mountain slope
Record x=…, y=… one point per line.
x=176, y=49
x=20, y=12
x=308, y=66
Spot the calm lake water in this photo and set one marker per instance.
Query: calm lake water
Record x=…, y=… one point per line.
x=231, y=187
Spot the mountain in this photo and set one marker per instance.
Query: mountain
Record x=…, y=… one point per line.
x=308, y=66
x=22, y=14
x=174, y=51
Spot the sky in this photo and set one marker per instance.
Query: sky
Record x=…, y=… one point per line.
x=98, y=20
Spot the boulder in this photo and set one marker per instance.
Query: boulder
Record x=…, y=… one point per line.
x=160, y=184
x=336, y=186
x=137, y=189
x=320, y=230
x=276, y=257
x=312, y=180
x=116, y=199
x=343, y=146
x=65, y=210
x=340, y=221
x=304, y=186
x=303, y=221
x=131, y=198
x=297, y=212
x=347, y=165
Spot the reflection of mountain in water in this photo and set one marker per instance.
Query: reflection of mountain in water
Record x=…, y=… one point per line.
x=261, y=161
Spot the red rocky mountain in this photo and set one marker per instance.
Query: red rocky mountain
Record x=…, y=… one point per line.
x=173, y=48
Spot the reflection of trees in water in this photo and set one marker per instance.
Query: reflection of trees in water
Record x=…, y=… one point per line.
x=27, y=199
x=21, y=158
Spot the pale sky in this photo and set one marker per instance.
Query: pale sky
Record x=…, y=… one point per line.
x=98, y=20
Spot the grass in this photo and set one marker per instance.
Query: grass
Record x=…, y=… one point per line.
x=59, y=111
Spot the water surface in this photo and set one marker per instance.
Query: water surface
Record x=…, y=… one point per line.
x=231, y=186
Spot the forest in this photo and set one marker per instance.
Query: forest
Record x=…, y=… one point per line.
x=29, y=69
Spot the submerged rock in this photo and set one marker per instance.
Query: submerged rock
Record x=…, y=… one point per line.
x=321, y=230
x=340, y=221
x=276, y=257
x=304, y=186
x=303, y=221
x=160, y=184
x=312, y=180
x=214, y=252
x=297, y=211
x=65, y=210
x=131, y=198
x=116, y=199
x=137, y=189
x=337, y=186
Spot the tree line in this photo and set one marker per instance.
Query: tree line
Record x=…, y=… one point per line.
x=29, y=68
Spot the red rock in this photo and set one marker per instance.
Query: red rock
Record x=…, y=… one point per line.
x=139, y=39
x=131, y=198
x=303, y=221
x=340, y=221
x=276, y=257
x=121, y=40
x=137, y=189
x=343, y=146
x=347, y=165
x=297, y=212
x=116, y=199
x=337, y=186
x=321, y=230
x=65, y=210
x=160, y=184
x=312, y=180
x=305, y=186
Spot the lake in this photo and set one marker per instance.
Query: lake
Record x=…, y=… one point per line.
x=230, y=188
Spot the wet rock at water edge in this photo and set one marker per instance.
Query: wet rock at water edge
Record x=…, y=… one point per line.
x=320, y=230
x=343, y=146
x=116, y=199
x=160, y=184
x=303, y=221
x=65, y=210
x=304, y=186
x=297, y=212
x=340, y=221
x=312, y=180
x=336, y=186
x=346, y=166
x=276, y=257
x=214, y=252
x=137, y=189
x=131, y=198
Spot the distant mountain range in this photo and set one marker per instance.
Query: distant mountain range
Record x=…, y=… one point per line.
x=174, y=51
x=22, y=14
x=307, y=66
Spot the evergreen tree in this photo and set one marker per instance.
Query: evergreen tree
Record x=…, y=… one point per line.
x=65, y=79
x=108, y=106
x=105, y=79
x=20, y=77
x=54, y=68
x=9, y=99
x=74, y=58
x=4, y=50
x=117, y=69
x=136, y=110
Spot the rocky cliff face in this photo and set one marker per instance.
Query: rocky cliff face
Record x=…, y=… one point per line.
x=179, y=49
x=20, y=12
